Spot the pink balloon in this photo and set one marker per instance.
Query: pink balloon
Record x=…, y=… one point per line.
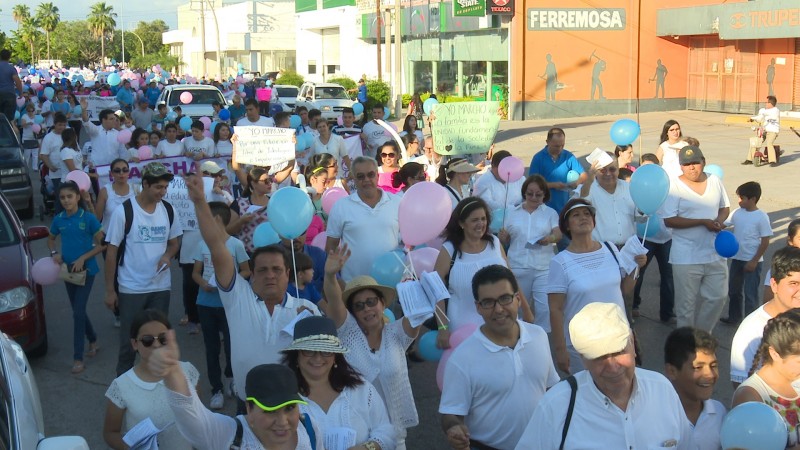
x=145, y=152
x=331, y=196
x=206, y=122
x=425, y=209
x=36, y=128
x=423, y=259
x=320, y=240
x=242, y=94
x=463, y=332
x=20, y=101
x=36, y=86
x=510, y=169
x=440, y=368
x=340, y=121
x=45, y=271
x=80, y=178
x=206, y=133
x=124, y=136
x=186, y=97
x=436, y=242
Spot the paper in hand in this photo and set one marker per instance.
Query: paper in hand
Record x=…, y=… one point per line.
x=289, y=328
x=627, y=255
x=143, y=436
x=601, y=156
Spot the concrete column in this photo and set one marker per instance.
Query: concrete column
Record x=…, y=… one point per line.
x=489, y=80
x=460, y=78
x=434, y=76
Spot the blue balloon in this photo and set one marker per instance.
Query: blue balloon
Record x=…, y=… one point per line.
x=428, y=105
x=497, y=220
x=652, y=228
x=213, y=127
x=171, y=116
x=240, y=66
x=49, y=92
x=309, y=138
x=753, y=425
x=114, y=79
x=388, y=268
x=300, y=145
x=268, y=83
x=624, y=131
x=294, y=121
x=713, y=169
x=358, y=108
x=224, y=114
x=726, y=244
x=389, y=315
x=427, y=346
x=265, y=235
x=386, y=113
x=77, y=110
x=290, y=210
x=185, y=123
x=649, y=188
x=572, y=176
x=38, y=119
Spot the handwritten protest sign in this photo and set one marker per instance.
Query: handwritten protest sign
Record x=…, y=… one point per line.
x=178, y=196
x=97, y=104
x=264, y=146
x=465, y=127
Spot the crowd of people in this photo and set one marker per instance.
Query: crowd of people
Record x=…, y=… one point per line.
x=558, y=273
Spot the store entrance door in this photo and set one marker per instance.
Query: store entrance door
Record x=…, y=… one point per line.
x=722, y=75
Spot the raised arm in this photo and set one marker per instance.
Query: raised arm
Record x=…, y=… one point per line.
x=442, y=267
x=337, y=310
x=213, y=235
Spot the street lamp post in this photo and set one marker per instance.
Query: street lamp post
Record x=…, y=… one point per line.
x=140, y=40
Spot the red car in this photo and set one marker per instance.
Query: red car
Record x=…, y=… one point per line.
x=21, y=303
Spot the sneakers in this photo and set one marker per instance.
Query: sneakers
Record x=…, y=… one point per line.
x=116, y=322
x=217, y=401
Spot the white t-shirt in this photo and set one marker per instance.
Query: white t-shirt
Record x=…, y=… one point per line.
x=69, y=153
x=256, y=336
x=105, y=147
x=368, y=232
x=694, y=245
x=168, y=149
x=47, y=112
x=141, y=399
x=51, y=146
x=27, y=128
x=223, y=148
x=745, y=343
x=654, y=416
x=261, y=122
x=485, y=382
x=771, y=118
x=615, y=213
x=144, y=246
x=706, y=432
x=493, y=192
x=334, y=147
x=376, y=136
x=526, y=229
x=669, y=159
x=749, y=227
x=193, y=146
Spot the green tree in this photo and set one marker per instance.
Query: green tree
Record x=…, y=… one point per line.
x=19, y=13
x=290, y=77
x=48, y=18
x=29, y=33
x=71, y=46
x=101, y=23
x=151, y=59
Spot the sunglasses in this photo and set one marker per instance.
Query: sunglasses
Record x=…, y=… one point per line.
x=371, y=301
x=148, y=340
x=121, y=170
x=312, y=353
x=421, y=177
x=269, y=180
x=215, y=175
x=387, y=155
x=364, y=176
x=490, y=303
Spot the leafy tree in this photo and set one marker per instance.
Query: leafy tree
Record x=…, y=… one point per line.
x=3, y=40
x=48, y=18
x=71, y=46
x=152, y=59
x=19, y=13
x=378, y=92
x=29, y=33
x=102, y=22
x=289, y=77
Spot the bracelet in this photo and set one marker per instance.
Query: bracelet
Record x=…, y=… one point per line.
x=443, y=327
x=53, y=252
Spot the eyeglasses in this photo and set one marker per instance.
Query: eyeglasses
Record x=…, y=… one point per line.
x=312, y=353
x=148, y=340
x=121, y=170
x=268, y=180
x=371, y=301
x=490, y=303
x=364, y=176
x=535, y=194
x=388, y=155
x=215, y=175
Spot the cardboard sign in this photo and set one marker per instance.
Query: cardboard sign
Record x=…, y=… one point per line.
x=97, y=104
x=264, y=146
x=464, y=127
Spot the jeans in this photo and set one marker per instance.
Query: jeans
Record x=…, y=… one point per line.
x=667, y=289
x=700, y=293
x=81, y=325
x=130, y=305
x=56, y=201
x=190, y=289
x=8, y=105
x=751, y=282
x=213, y=322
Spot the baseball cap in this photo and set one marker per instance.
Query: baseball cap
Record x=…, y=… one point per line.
x=272, y=386
x=461, y=166
x=210, y=167
x=690, y=155
x=157, y=170
x=599, y=329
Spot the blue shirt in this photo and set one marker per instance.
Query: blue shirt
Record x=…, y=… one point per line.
x=125, y=96
x=203, y=255
x=309, y=292
x=362, y=93
x=555, y=172
x=7, y=72
x=77, y=236
x=318, y=256
x=237, y=112
x=60, y=107
x=152, y=96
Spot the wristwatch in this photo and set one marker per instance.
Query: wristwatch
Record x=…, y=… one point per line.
x=371, y=445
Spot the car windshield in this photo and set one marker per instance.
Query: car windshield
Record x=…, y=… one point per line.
x=287, y=92
x=199, y=97
x=9, y=146
x=329, y=93
x=7, y=234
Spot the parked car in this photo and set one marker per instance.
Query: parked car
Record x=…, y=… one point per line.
x=21, y=414
x=287, y=96
x=202, y=98
x=15, y=182
x=21, y=301
x=329, y=98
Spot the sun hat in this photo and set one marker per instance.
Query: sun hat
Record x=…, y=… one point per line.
x=367, y=282
x=599, y=329
x=316, y=334
x=690, y=155
x=461, y=166
x=272, y=386
x=211, y=167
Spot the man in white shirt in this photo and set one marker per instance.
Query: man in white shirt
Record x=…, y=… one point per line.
x=493, y=190
x=374, y=133
x=501, y=370
x=611, y=198
x=105, y=147
x=257, y=310
x=700, y=274
x=197, y=146
x=170, y=145
x=367, y=221
x=616, y=404
x=51, y=152
x=770, y=118
x=252, y=117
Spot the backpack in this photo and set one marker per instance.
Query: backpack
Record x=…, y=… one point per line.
x=128, y=208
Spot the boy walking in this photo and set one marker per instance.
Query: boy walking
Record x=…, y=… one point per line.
x=752, y=229
x=209, y=305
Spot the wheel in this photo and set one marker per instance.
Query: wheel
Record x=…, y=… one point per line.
x=758, y=160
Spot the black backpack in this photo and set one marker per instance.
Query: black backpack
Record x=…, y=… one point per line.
x=128, y=207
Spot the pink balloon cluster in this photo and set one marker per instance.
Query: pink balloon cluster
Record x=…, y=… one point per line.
x=331, y=196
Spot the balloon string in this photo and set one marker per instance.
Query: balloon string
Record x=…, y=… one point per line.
x=505, y=203
x=406, y=267
x=439, y=314
x=644, y=239
x=294, y=267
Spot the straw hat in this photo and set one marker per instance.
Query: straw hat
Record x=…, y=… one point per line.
x=316, y=334
x=367, y=282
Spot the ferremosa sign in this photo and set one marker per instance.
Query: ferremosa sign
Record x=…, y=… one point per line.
x=599, y=19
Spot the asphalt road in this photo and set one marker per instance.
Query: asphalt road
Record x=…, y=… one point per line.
x=75, y=404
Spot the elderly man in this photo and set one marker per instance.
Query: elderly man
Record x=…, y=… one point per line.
x=496, y=192
x=501, y=370
x=554, y=162
x=612, y=404
x=367, y=220
x=612, y=199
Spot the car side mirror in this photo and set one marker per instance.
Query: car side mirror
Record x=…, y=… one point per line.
x=38, y=232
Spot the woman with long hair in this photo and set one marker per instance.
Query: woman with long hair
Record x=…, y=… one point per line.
x=327, y=142
x=330, y=164
x=671, y=144
x=115, y=193
x=139, y=138
x=222, y=140
x=455, y=176
x=411, y=126
x=624, y=154
x=389, y=153
x=71, y=156
x=415, y=109
x=410, y=174
x=250, y=209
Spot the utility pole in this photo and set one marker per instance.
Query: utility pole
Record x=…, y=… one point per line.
x=203, y=37
x=378, y=23
x=140, y=40
x=219, y=50
x=122, y=14
x=398, y=39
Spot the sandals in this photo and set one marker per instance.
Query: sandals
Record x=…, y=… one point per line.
x=93, y=349
x=77, y=367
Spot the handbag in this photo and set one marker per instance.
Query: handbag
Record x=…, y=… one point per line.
x=77, y=278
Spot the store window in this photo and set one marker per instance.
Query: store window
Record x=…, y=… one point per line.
x=423, y=76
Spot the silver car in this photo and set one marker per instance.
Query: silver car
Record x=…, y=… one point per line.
x=329, y=98
x=202, y=98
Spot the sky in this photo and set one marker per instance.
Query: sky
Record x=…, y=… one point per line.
x=131, y=11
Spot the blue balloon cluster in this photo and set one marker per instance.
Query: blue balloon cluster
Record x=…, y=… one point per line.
x=290, y=211
x=171, y=116
x=294, y=121
x=358, y=108
x=265, y=235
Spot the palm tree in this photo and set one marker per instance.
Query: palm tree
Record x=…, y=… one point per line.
x=101, y=22
x=29, y=32
x=19, y=13
x=48, y=17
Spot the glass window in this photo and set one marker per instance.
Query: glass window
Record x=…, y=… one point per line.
x=423, y=76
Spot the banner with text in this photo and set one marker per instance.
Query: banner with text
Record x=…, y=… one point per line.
x=264, y=146
x=464, y=127
x=97, y=104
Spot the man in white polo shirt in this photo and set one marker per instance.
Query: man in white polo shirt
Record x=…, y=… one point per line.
x=252, y=117
x=500, y=371
x=367, y=221
x=616, y=405
x=612, y=199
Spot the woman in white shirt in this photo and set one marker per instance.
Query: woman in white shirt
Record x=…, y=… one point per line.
x=329, y=143
x=114, y=194
x=410, y=126
x=339, y=400
x=455, y=176
x=532, y=230
x=671, y=143
x=222, y=140
x=71, y=157
x=29, y=141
